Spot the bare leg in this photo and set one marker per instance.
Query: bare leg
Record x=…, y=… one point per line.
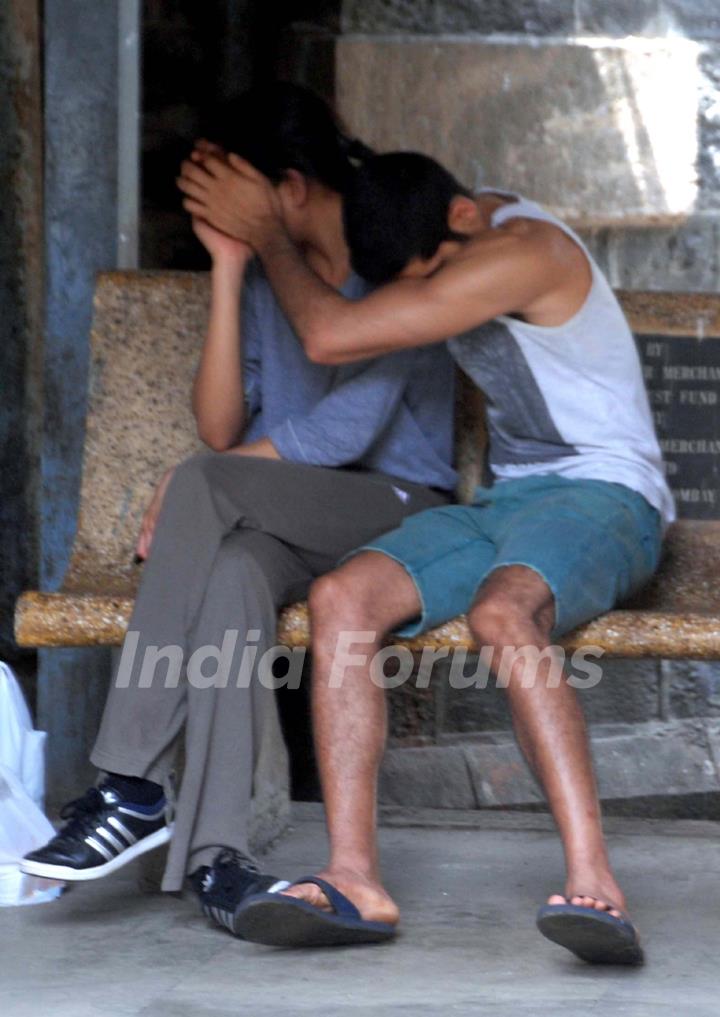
x=370, y=594
x=515, y=608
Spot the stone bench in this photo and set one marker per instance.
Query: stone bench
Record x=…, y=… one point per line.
x=145, y=341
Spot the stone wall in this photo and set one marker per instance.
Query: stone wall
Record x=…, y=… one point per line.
x=631, y=692
x=608, y=112
x=696, y=19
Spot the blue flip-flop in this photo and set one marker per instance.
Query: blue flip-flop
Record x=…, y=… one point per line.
x=594, y=936
x=275, y=919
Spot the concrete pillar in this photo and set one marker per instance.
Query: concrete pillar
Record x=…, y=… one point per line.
x=88, y=62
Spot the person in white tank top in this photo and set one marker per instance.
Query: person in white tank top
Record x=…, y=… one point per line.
x=571, y=525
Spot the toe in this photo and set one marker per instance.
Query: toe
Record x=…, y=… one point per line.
x=606, y=907
x=596, y=904
x=557, y=898
x=583, y=901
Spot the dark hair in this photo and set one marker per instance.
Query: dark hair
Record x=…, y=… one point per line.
x=283, y=126
x=396, y=209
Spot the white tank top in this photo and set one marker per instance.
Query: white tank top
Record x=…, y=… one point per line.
x=568, y=399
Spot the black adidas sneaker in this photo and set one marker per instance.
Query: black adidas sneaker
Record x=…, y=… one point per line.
x=102, y=833
x=231, y=878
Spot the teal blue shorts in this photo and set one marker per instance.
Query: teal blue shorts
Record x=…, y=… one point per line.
x=593, y=542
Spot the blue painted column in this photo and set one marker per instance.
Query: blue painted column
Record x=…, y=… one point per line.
x=84, y=80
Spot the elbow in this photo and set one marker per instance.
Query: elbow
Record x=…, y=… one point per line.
x=217, y=446
x=214, y=443
x=321, y=347
x=215, y=439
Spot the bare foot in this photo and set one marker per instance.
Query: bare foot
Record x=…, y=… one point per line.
x=593, y=890
x=368, y=895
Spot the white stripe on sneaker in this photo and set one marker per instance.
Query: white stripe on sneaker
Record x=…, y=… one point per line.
x=118, y=845
x=100, y=848
x=142, y=815
x=122, y=829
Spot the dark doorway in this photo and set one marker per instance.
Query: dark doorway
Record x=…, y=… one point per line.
x=195, y=56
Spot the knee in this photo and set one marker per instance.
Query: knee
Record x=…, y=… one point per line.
x=333, y=598
x=498, y=620
x=195, y=468
x=328, y=596
x=233, y=557
x=205, y=470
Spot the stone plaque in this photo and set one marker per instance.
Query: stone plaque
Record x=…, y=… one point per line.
x=683, y=380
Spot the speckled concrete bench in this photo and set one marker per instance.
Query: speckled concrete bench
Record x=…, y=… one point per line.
x=145, y=342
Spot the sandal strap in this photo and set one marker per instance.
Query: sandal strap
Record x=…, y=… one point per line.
x=338, y=901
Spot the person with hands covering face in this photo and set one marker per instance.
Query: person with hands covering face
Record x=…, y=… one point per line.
x=306, y=463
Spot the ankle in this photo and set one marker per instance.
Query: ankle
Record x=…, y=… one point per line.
x=136, y=790
x=353, y=867
x=592, y=877
x=587, y=856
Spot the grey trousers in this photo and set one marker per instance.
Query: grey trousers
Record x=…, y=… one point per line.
x=237, y=538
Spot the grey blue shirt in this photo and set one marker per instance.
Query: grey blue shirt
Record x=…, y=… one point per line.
x=391, y=414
